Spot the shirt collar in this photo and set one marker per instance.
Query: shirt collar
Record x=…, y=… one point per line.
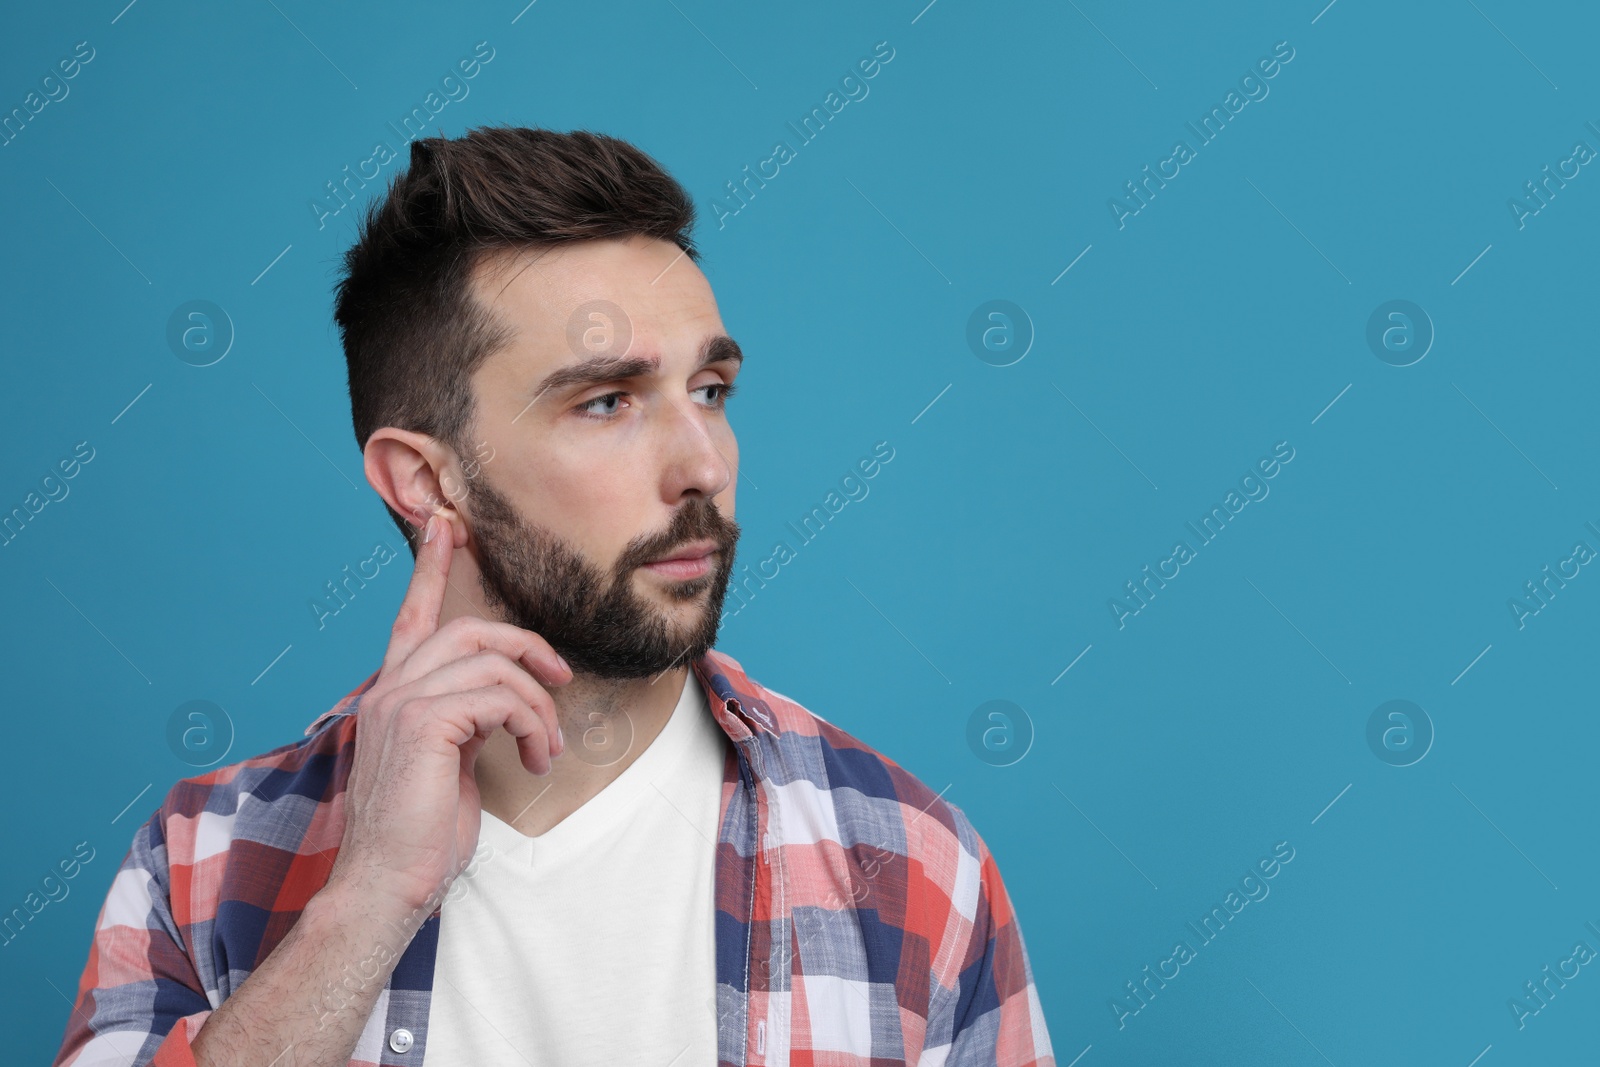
x=739, y=704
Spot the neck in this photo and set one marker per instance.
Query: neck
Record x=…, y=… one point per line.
x=607, y=723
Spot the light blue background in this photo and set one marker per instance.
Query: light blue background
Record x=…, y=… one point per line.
x=1225, y=317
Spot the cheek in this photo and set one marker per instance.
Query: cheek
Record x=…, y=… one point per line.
x=596, y=500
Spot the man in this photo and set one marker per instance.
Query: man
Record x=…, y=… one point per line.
x=555, y=826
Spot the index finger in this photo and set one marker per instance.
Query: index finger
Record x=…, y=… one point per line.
x=418, y=617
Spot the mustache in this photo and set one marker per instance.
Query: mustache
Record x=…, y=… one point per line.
x=698, y=520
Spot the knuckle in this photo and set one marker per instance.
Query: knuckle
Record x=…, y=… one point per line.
x=500, y=665
x=515, y=673
x=459, y=627
x=517, y=638
x=402, y=709
x=503, y=700
x=403, y=625
x=530, y=710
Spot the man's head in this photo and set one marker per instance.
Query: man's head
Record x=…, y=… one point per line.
x=534, y=355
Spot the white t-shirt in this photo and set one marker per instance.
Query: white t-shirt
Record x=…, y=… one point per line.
x=593, y=942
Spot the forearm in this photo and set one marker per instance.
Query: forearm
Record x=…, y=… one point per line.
x=314, y=991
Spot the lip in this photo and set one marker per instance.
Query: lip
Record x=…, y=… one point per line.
x=689, y=562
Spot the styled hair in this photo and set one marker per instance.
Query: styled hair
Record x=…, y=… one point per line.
x=412, y=332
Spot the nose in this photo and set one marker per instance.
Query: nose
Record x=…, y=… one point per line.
x=696, y=454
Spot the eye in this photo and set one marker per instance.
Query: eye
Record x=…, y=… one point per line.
x=585, y=410
x=606, y=398
x=727, y=389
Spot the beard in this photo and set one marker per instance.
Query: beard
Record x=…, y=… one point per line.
x=595, y=620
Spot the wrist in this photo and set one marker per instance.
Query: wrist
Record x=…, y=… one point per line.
x=359, y=903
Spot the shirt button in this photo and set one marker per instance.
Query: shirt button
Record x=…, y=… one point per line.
x=400, y=1040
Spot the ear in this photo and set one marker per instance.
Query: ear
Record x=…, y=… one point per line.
x=407, y=470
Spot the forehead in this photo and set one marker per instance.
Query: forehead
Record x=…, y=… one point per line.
x=544, y=295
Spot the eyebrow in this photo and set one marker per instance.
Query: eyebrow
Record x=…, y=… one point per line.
x=610, y=368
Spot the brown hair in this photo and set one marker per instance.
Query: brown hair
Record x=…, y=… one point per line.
x=412, y=333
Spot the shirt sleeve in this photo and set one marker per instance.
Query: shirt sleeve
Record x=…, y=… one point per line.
x=996, y=1017
x=140, y=1001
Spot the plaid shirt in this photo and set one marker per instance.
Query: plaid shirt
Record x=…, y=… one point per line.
x=860, y=919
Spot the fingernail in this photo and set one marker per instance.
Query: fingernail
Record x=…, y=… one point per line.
x=428, y=530
x=561, y=738
x=563, y=663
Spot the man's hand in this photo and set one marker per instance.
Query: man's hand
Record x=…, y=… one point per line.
x=411, y=804
x=411, y=822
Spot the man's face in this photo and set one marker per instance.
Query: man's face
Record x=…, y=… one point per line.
x=594, y=475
